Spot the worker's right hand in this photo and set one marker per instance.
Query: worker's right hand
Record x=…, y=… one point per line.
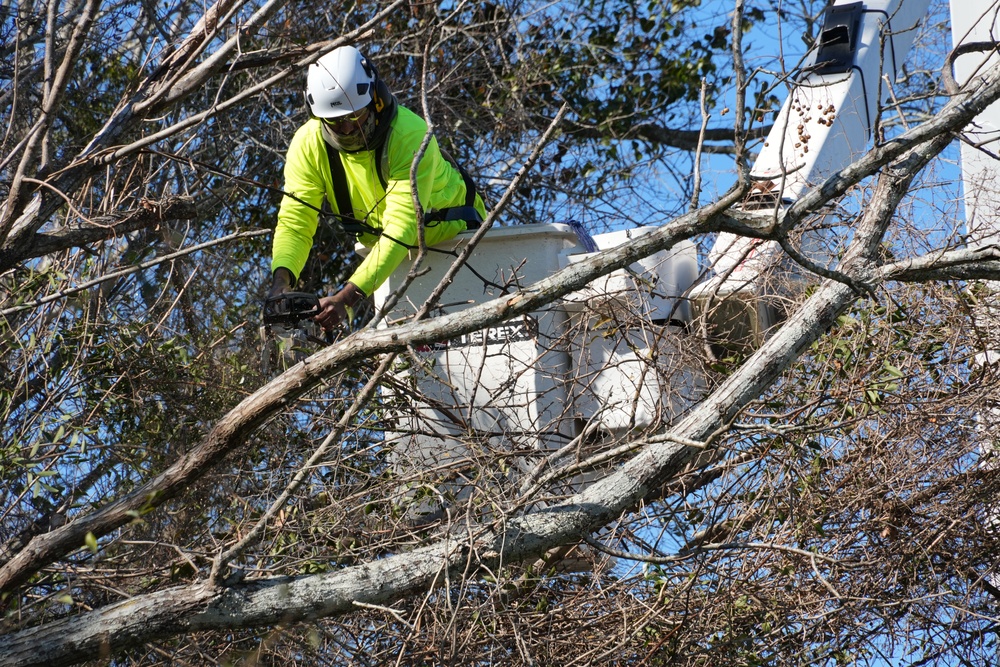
x=339, y=307
x=281, y=282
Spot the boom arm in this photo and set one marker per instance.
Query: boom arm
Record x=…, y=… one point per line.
x=825, y=124
x=980, y=150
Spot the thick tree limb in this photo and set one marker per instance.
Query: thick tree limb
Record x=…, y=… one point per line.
x=255, y=603
x=109, y=227
x=982, y=263
x=286, y=600
x=232, y=430
x=254, y=411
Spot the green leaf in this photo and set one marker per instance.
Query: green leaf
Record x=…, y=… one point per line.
x=90, y=541
x=892, y=370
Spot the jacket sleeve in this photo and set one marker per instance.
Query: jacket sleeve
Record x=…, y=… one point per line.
x=304, y=178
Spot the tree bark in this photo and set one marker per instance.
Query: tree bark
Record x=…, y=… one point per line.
x=256, y=603
x=261, y=603
x=268, y=401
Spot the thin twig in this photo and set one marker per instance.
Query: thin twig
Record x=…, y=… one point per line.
x=70, y=291
x=696, y=187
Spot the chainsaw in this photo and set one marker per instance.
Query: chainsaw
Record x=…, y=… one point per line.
x=288, y=324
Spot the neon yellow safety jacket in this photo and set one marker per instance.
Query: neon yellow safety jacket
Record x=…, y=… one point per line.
x=389, y=210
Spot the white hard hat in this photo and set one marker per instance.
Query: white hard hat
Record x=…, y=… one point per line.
x=340, y=83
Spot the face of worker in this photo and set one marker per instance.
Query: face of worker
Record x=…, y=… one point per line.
x=349, y=133
x=349, y=125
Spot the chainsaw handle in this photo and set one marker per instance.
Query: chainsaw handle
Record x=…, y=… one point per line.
x=290, y=307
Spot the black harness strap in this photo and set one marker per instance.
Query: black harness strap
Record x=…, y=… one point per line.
x=470, y=186
x=340, y=192
x=342, y=195
x=379, y=152
x=466, y=212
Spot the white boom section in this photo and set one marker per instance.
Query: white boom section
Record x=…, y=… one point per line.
x=606, y=362
x=827, y=121
x=970, y=23
x=825, y=124
x=980, y=22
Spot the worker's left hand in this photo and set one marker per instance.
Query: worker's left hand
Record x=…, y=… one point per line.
x=339, y=307
x=281, y=282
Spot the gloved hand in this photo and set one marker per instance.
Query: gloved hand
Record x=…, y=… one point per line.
x=281, y=282
x=339, y=307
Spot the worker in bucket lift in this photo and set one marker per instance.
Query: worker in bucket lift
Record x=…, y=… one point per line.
x=356, y=152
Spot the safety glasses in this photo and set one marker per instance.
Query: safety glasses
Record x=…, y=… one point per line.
x=346, y=124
